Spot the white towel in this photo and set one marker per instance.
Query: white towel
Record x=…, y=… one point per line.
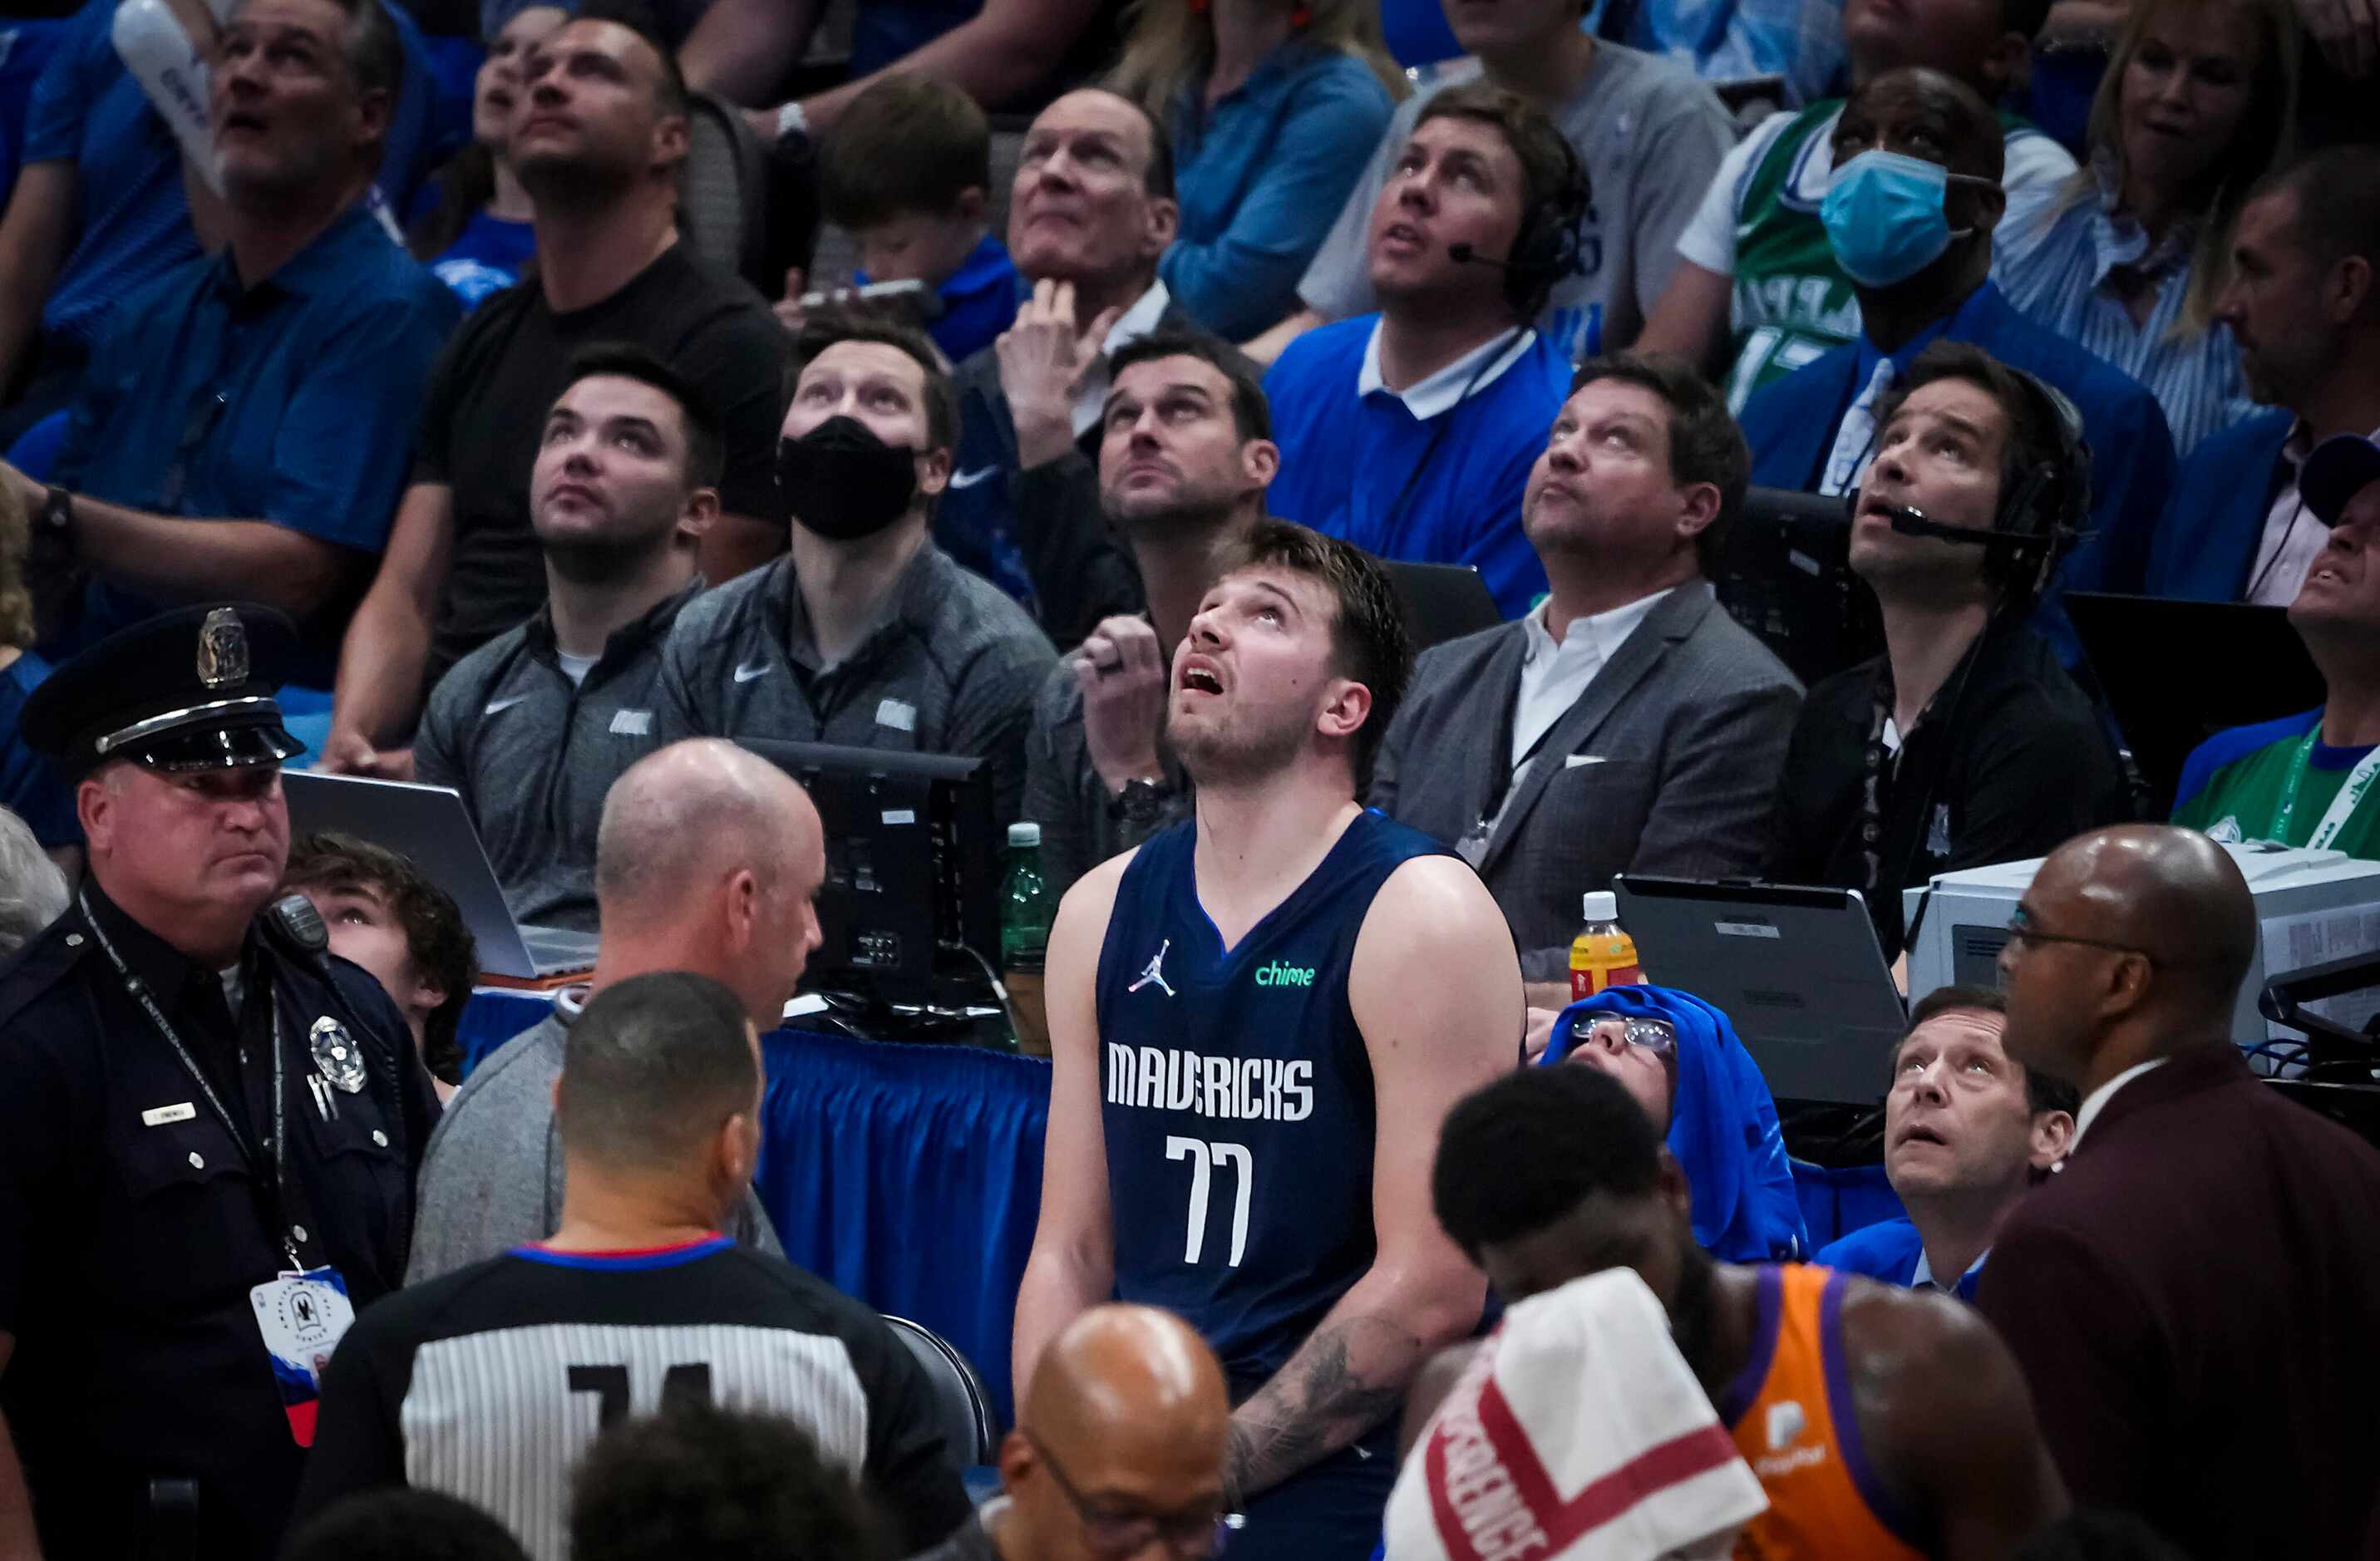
x=1576, y=1434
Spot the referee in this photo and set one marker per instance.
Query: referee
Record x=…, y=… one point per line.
x=489, y=1382
x=208, y=1126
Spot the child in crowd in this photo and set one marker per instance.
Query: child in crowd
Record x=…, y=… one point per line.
x=905, y=171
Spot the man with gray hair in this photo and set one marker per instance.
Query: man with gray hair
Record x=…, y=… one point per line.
x=32, y=890
x=706, y=861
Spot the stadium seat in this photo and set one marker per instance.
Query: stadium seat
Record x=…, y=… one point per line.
x=966, y=1402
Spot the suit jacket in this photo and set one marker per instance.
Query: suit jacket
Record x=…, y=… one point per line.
x=1667, y=764
x=2195, y=1300
x=2207, y=541
x=1039, y=534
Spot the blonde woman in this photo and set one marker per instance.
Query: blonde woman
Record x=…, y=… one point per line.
x=29, y=787
x=1273, y=107
x=2196, y=104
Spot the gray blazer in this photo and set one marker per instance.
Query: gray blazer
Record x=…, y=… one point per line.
x=1667, y=764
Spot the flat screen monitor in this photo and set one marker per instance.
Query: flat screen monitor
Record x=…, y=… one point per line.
x=1785, y=574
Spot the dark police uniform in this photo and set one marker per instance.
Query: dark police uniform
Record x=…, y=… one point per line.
x=145, y=1190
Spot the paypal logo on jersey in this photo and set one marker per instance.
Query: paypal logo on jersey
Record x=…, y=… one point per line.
x=1279, y=975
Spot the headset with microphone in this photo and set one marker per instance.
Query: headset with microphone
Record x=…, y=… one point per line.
x=2038, y=519
x=1548, y=248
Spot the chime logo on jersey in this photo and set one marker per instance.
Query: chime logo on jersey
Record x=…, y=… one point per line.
x=1242, y=1089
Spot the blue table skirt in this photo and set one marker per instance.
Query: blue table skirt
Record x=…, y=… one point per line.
x=907, y=1176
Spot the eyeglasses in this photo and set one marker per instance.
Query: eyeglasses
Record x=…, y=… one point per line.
x=1199, y=1532
x=2022, y=934
x=1653, y=1034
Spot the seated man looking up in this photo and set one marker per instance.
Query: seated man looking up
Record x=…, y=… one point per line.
x=1185, y=458
x=1629, y=724
x=707, y=861
x=534, y=726
x=2301, y=779
x=906, y=172
x=242, y=427
x=1411, y=432
x=1964, y=744
x=490, y=1383
x=384, y=916
x=1916, y=197
x=865, y=633
x=1552, y=1174
x=1966, y=1131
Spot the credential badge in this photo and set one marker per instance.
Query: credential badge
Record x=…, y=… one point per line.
x=336, y=1056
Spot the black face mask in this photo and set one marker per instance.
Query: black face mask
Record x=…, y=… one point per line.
x=843, y=482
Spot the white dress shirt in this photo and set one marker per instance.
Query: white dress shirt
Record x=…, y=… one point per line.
x=2096, y=1101
x=1553, y=677
x=1091, y=395
x=2292, y=537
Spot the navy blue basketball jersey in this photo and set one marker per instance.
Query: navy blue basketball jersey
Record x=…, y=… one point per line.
x=1237, y=1096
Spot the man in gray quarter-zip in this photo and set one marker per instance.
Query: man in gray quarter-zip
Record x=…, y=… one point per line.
x=535, y=725
x=865, y=634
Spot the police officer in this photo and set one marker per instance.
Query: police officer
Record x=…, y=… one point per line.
x=208, y=1126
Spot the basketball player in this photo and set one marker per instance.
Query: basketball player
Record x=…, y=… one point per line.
x=1885, y=1424
x=1258, y=1019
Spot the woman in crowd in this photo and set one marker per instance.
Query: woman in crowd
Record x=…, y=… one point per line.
x=1273, y=107
x=2197, y=103
x=473, y=230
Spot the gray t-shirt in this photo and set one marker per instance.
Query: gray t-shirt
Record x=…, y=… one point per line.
x=950, y=667
x=1651, y=136
x=492, y=1177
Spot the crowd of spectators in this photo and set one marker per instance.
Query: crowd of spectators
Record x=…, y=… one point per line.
x=1168, y=332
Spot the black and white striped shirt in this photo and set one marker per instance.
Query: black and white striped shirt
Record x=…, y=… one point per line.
x=490, y=1384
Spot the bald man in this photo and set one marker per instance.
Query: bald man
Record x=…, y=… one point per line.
x=2195, y=1298
x=490, y=1384
x=707, y=860
x=1119, y=1450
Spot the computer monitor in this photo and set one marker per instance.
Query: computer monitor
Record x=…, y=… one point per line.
x=909, y=915
x=1786, y=575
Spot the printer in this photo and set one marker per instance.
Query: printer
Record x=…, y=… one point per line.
x=2311, y=906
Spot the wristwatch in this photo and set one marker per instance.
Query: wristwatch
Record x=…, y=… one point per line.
x=1141, y=801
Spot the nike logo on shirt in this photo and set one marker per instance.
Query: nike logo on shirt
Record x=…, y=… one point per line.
x=746, y=674
x=969, y=480
x=498, y=707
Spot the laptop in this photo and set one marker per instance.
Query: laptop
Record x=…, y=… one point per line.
x=431, y=825
x=2174, y=673
x=1441, y=601
x=1797, y=970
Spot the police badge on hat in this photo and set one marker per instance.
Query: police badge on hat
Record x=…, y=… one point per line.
x=336, y=1056
x=223, y=648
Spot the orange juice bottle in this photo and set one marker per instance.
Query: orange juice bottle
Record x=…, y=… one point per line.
x=1601, y=955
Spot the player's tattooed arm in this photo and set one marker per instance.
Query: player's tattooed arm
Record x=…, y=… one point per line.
x=1347, y=1378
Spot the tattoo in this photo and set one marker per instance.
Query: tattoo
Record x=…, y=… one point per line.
x=1323, y=1399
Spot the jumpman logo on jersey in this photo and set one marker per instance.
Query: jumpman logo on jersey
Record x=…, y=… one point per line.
x=1156, y=971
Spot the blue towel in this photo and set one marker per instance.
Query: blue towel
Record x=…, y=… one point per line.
x=1723, y=1125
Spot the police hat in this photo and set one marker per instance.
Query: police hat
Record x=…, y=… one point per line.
x=192, y=689
x=2340, y=467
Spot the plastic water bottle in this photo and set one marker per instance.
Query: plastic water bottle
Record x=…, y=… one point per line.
x=156, y=48
x=1028, y=906
x=1602, y=955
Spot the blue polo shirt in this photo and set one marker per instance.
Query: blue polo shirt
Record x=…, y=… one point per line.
x=979, y=300
x=1431, y=476
x=30, y=786
x=292, y=401
x=134, y=221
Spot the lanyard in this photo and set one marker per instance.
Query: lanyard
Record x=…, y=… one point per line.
x=2351, y=792
x=277, y=1184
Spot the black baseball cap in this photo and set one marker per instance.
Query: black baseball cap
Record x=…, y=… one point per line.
x=2340, y=467
x=191, y=689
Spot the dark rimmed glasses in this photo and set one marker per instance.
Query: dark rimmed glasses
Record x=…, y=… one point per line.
x=1112, y=1531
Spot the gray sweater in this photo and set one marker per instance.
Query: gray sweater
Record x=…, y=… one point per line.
x=492, y=1177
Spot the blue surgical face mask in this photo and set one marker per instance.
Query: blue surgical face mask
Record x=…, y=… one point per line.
x=1883, y=213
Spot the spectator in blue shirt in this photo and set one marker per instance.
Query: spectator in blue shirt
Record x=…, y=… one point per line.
x=29, y=786
x=907, y=173
x=2126, y=263
x=1815, y=428
x=25, y=51
x=474, y=230
x=1274, y=107
x=245, y=420
x=1967, y=1130
x=1411, y=432
x=99, y=211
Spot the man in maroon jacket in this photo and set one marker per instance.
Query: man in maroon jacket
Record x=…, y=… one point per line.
x=2195, y=1298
